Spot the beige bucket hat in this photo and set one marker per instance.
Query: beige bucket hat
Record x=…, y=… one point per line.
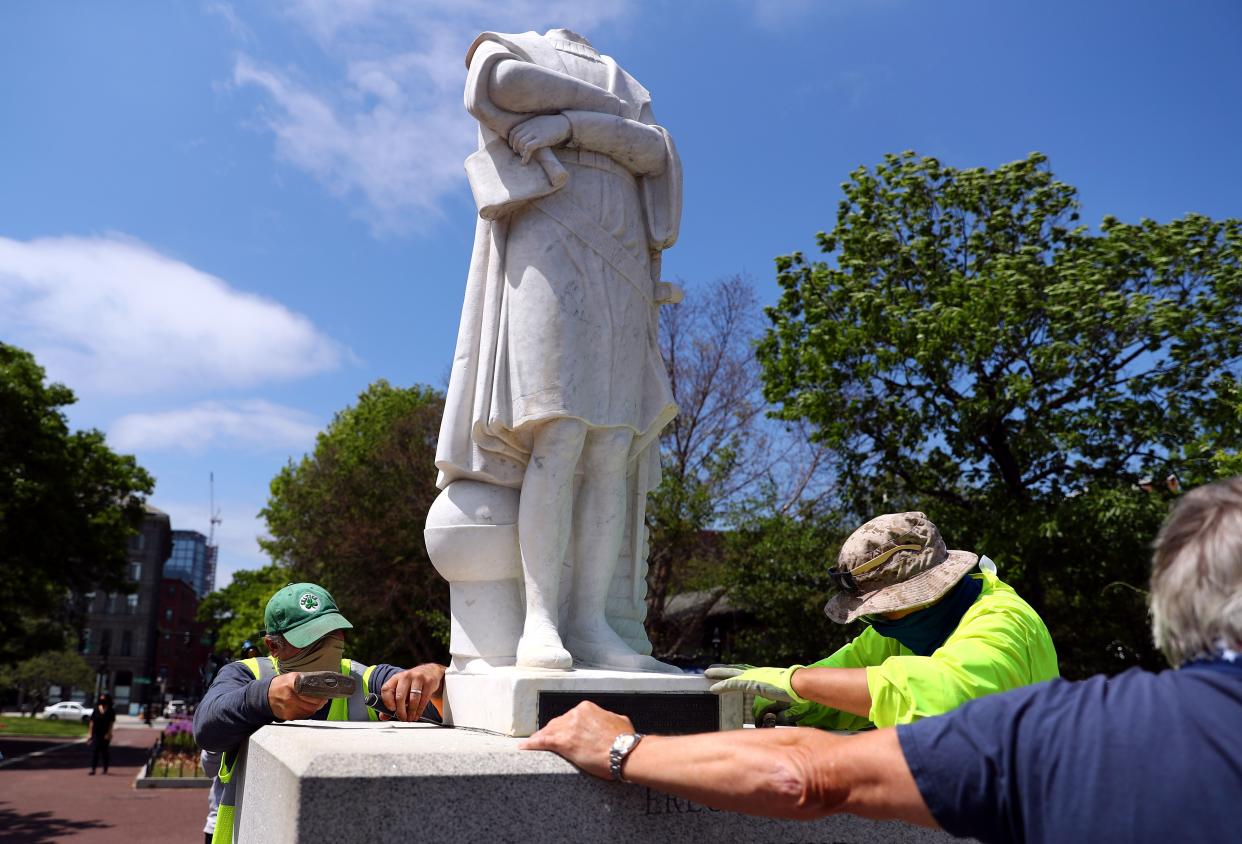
x=894, y=562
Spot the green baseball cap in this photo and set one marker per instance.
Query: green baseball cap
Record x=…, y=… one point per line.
x=303, y=613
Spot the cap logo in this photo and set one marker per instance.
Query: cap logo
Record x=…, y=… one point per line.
x=308, y=602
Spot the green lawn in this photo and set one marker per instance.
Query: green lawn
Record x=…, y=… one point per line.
x=39, y=727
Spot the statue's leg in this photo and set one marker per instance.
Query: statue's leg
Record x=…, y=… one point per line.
x=544, y=522
x=599, y=528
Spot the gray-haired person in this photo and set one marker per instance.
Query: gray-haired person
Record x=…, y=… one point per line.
x=1136, y=757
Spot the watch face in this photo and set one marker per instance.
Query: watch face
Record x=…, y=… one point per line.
x=624, y=742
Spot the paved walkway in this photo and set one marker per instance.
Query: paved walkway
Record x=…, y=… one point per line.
x=52, y=797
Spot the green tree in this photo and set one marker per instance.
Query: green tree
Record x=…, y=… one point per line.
x=350, y=517
x=776, y=566
x=971, y=350
x=32, y=676
x=68, y=505
x=235, y=613
x=720, y=455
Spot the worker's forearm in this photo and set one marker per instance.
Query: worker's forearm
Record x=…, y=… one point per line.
x=841, y=688
x=526, y=88
x=757, y=772
x=794, y=773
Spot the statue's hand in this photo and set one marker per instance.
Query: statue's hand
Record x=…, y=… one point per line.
x=546, y=130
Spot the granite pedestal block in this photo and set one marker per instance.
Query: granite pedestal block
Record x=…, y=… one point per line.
x=376, y=783
x=506, y=700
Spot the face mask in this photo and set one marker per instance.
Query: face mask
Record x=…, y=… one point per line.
x=324, y=655
x=927, y=629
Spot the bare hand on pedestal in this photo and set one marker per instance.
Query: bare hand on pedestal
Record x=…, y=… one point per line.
x=583, y=735
x=409, y=692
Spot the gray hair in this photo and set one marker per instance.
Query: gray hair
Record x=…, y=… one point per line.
x=1196, y=577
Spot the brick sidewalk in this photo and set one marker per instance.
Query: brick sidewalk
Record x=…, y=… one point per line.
x=53, y=798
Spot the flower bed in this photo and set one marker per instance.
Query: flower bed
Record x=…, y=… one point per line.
x=174, y=760
x=175, y=753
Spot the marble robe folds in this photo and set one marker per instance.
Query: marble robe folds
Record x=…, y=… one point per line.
x=559, y=318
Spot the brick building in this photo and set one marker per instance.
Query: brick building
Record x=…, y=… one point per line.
x=180, y=649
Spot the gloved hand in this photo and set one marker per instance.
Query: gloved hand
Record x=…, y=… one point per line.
x=770, y=683
x=767, y=691
x=725, y=670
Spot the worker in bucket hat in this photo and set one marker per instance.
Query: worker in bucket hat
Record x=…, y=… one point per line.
x=942, y=629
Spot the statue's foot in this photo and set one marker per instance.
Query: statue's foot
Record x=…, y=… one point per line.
x=543, y=650
x=599, y=646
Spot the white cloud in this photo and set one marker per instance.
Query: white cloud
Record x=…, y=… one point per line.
x=254, y=425
x=780, y=16
x=386, y=131
x=228, y=14
x=111, y=315
x=784, y=15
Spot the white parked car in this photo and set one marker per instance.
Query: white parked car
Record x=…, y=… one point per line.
x=66, y=710
x=175, y=707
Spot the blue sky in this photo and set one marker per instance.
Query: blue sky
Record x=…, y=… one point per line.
x=220, y=221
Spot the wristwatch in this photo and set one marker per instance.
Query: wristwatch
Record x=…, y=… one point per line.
x=622, y=746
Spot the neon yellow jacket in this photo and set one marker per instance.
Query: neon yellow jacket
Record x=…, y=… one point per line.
x=1000, y=644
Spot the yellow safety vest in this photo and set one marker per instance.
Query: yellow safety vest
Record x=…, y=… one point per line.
x=1001, y=643
x=352, y=708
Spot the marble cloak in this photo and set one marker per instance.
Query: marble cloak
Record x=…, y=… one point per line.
x=476, y=441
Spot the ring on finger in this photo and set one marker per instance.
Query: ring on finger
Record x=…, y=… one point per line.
x=415, y=692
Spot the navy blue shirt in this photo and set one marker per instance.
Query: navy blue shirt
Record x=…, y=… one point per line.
x=1136, y=757
x=236, y=705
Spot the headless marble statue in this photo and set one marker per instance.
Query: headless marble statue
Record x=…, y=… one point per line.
x=558, y=389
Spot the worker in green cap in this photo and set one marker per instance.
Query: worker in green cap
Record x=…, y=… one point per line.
x=305, y=632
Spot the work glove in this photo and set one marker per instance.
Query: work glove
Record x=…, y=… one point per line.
x=768, y=690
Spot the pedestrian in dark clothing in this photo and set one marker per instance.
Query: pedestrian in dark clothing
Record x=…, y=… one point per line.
x=99, y=732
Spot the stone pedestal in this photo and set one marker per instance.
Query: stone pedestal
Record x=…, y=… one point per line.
x=506, y=700
x=376, y=783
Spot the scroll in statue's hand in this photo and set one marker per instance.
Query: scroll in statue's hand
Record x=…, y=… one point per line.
x=546, y=130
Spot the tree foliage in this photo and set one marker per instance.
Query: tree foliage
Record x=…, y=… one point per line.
x=719, y=451
x=970, y=349
x=777, y=573
x=68, y=504
x=33, y=675
x=235, y=613
x=350, y=516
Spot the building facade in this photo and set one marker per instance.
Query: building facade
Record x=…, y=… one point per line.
x=120, y=635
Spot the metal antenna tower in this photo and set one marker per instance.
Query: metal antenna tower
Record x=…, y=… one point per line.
x=214, y=514
x=213, y=553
